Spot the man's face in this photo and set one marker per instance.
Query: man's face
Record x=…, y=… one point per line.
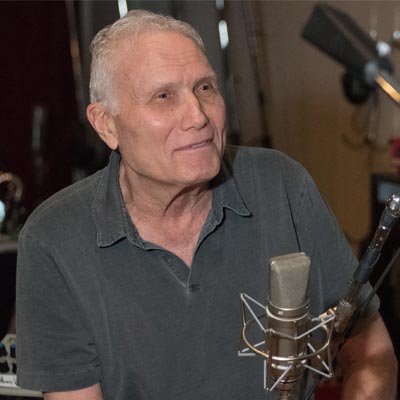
x=170, y=119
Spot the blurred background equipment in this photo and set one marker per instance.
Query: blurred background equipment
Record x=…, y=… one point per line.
x=11, y=210
x=367, y=67
x=12, y=216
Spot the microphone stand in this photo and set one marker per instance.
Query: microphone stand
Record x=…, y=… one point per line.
x=374, y=74
x=348, y=304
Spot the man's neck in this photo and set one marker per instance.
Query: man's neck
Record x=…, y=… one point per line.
x=159, y=200
x=170, y=217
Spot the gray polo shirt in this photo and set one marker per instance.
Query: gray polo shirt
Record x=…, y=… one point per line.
x=96, y=303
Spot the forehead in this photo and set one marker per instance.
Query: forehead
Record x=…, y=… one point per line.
x=158, y=53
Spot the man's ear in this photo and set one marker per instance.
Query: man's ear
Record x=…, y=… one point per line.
x=103, y=123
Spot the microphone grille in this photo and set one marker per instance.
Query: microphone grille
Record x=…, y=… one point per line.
x=288, y=280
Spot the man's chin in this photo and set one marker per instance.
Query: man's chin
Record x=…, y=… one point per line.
x=202, y=177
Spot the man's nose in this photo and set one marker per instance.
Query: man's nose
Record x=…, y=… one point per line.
x=193, y=113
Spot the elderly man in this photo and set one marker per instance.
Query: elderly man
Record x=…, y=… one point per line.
x=129, y=280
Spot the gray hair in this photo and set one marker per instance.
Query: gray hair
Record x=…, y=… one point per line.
x=104, y=47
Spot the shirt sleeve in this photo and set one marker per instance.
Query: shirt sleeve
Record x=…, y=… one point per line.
x=332, y=260
x=55, y=351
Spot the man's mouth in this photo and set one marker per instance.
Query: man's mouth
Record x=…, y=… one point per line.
x=201, y=144
x=196, y=145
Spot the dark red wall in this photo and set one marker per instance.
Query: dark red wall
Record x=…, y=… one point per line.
x=36, y=69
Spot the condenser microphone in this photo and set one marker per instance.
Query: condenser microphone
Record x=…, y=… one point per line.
x=288, y=320
x=292, y=340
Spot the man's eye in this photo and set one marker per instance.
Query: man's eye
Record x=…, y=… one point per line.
x=206, y=89
x=163, y=96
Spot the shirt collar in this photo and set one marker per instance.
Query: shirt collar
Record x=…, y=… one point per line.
x=226, y=194
x=108, y=206
x=112, y=219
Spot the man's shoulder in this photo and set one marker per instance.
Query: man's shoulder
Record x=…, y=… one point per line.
x=73, y=201
x=266, y=175
x=257, y=160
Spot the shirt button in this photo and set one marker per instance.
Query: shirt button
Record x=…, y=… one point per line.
x=194, y=287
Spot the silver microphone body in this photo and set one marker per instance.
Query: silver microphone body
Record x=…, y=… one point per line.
x=288, y=320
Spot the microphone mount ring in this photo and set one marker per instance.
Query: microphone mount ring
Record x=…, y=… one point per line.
x=284, y=364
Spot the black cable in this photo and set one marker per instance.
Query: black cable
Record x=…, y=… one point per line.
x=364, y=305
x=312, y=389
